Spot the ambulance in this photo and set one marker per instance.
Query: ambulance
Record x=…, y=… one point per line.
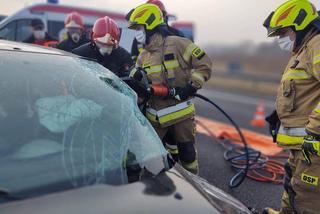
x=17, y=26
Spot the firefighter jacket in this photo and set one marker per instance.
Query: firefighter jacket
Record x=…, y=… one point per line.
x=68, y=44
x=136, y=47
x=119, y=61
x=298, y=96
x=173, y=61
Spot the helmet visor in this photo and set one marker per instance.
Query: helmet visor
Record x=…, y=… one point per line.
x=272, y=31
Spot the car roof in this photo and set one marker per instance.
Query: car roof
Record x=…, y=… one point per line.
x=24, y=47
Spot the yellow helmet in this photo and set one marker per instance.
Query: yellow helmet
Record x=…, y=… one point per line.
x=297, y=14
x=148, y=15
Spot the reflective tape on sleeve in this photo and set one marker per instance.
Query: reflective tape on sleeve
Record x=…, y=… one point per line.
x=295, y=75
x=316, y=59
x=317, y=109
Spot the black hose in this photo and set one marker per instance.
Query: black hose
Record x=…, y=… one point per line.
x=239, y=177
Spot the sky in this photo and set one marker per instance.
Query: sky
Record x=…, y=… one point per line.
x=217, y=21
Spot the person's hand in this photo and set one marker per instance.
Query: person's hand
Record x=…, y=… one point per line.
x=183, y=93
x=274, y=124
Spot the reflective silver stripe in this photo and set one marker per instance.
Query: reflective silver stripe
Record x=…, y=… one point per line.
x=170, y=109
x=292, y=131
x=170, y=146
x=295, y=74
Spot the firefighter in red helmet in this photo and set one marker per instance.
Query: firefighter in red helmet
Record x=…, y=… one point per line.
x=75, y=30
x=104, y=47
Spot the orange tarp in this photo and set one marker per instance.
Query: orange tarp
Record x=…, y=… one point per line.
x=255, y=140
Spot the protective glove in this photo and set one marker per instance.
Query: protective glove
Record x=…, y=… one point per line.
x=274, y=124
x=310, y=146
x=137, y=73
x=183, y=93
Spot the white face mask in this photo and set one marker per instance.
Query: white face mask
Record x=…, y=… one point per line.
x=286, y=43
x=106, y=50
x=75, y=37
x=140, y=36
x=39, y=34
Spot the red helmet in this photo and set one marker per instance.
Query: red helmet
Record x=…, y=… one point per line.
x=106, y=31
x=74, y=19
x=159, y=4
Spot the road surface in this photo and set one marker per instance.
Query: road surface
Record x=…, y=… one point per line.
x=214, y=168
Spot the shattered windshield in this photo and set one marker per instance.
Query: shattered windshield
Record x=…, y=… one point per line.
x=67, y=122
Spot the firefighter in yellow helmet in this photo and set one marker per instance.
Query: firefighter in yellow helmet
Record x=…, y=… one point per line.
x=296, y=24
x=181, y=68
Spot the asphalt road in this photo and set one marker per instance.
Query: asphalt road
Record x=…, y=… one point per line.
x=214, y=168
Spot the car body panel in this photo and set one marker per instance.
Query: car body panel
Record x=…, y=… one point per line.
x=168, y=192
x=27, y=170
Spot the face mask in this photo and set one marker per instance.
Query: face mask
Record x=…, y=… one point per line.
x=140, y=36
x=75, y=37
x=106, y=50
x=39, y=34
x=286, y=43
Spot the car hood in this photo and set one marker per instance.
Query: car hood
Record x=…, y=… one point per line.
x=168, y=192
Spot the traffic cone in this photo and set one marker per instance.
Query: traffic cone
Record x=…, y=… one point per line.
x=259, y=116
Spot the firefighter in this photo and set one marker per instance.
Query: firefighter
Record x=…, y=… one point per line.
x=76, y=37
x=39, y=35
x=176, y=69
x=296, y=23
x=104, y=47
x=138, y=47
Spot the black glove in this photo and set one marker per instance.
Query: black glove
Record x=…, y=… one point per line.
x=183, y=93
x=137, y=73
x=137, y=86
x=274, y=124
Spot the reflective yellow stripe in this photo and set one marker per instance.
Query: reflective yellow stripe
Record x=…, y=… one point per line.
x=316, y=59
x=285, y=140
x=177, y=115
x=154, y=69
x=190, y=166
x=173, y=151
x=172, y=64
x=295, y=75
x=140, y=50
x=151, y=117
x=171, y=116
x=317, y=109
x=312, y=180
x=188, y=52
x=132, y=72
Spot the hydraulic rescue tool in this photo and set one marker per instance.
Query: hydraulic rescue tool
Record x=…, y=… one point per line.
x=140, y=84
